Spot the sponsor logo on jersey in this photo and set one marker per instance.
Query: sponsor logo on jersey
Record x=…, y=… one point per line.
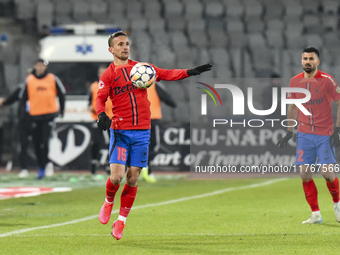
x=41, y=89
x=314, y=101
x=123, y=89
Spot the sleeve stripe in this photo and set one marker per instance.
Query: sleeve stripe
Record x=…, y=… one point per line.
x=59, y=84
x=329, y=77
x=22, y=89
x=334, y=83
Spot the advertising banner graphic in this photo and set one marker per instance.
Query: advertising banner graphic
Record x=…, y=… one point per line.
x=236, y=126
x=70, y=145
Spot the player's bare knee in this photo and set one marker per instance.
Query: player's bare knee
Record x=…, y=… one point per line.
x=115, y=179
x=132, y=181
x=306, y=177
x=329, y=177
x=330, y=180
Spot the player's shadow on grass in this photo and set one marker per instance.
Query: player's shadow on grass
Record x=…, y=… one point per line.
x=333, y=225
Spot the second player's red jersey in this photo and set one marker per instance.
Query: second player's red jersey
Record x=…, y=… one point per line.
x=130, y=105
x=323, y=89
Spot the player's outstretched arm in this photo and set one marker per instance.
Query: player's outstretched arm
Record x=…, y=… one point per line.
x=199, y=69
x=178, y=74
x=11, y=98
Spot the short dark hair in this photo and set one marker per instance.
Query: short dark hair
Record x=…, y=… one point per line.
x=311, y=50
x=275, y=76
x=114, y=35
x=39, y=60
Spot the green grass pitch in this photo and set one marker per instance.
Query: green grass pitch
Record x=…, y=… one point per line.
x=243, y=216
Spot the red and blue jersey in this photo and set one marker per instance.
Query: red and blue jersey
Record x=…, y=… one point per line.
x=130, y=105
x=323, y=89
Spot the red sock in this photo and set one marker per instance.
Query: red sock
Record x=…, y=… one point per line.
x=111, y=190
x=126, y=200
x=311, y=194
x=333, y=188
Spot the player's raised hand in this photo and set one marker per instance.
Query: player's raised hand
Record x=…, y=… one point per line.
x=335, y=138
x=284, y=141
x=199, y=69
x=103, y=121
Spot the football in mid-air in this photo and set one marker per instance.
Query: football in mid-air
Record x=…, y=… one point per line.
x=143, y=75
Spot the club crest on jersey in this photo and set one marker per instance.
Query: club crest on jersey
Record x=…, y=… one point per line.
x=101, y=84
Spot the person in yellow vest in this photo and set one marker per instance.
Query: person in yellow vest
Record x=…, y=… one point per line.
x=97, y=134
x=156, y=95
x=39, y=95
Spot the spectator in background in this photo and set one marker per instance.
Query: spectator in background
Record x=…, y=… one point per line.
x=41, y=90
x=24, y=126
x=97, y=135
x=156, y=95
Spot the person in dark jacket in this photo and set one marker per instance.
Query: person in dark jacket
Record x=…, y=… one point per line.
x=24, y=126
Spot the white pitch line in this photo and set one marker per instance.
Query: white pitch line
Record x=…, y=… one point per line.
x=190, y=234
x=255, y=185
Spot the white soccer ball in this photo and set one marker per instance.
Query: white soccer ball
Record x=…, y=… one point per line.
x=143, y=75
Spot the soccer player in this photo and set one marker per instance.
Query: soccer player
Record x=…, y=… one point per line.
x=315, y=136
x=130, y=128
